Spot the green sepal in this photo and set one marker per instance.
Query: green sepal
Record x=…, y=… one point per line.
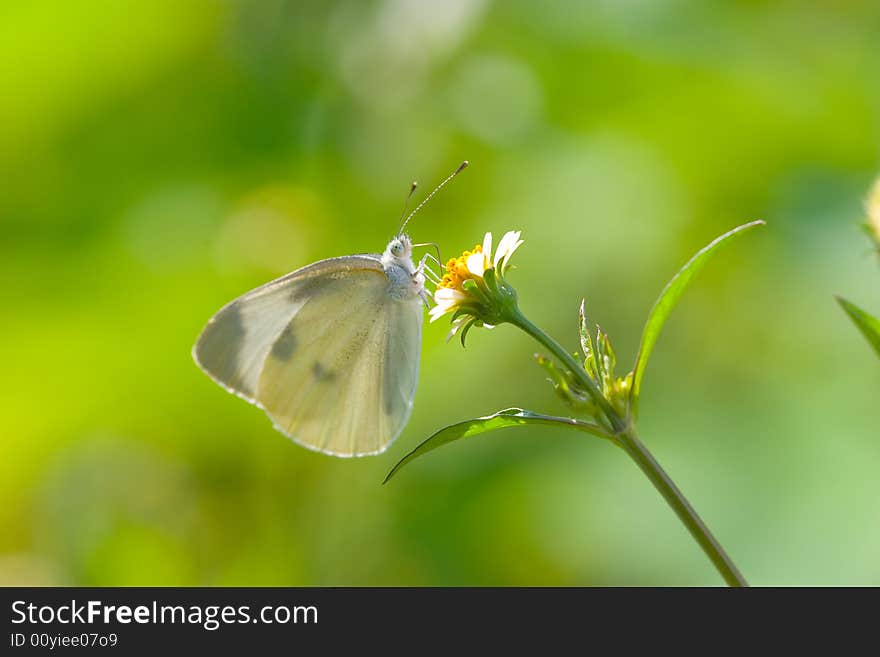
x=470, y=286
x=466, y=328
x=564, y=385
x=491, y=279
x=587, y=343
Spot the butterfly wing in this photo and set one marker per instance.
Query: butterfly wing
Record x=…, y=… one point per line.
x=325, y=351
x=347, y=386
x=401, y=372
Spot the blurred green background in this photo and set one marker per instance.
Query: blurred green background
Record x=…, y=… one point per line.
x=159, y=158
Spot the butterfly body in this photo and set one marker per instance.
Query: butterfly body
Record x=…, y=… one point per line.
x=330, y=351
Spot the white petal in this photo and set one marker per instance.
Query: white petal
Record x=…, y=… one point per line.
x=510, y=237
x=456, y=327
x=487, y=245
x=510, y=253
x=448, y=295
x=446, y=299
x=476, y=264
x=439, y=310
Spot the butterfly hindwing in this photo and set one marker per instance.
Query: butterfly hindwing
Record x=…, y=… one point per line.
x=401, y=364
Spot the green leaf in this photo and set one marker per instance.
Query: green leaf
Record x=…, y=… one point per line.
x=667, y=300
x=510, y=417
x=867, y=324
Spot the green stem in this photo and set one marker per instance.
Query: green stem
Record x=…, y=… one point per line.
x=683, y=509
x=521, y=321
x=628, y=439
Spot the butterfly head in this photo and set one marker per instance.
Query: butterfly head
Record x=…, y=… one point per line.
x=400, y=248
x=407, y=280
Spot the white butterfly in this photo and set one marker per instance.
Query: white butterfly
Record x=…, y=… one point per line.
x=331, y=351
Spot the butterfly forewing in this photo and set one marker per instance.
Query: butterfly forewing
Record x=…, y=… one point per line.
x=233, y=346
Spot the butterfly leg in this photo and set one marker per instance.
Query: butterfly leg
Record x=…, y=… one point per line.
x=439, y=258
x=424, y=271
x=423, y=265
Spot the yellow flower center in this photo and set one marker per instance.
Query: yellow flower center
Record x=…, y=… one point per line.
x=457, y=271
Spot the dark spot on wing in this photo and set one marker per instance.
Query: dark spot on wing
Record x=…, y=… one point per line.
x=321, y=373
x=231, y=324
x=284, y=345
x=220, y=345
x=309, y=287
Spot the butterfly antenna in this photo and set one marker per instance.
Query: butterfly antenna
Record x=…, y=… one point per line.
x=412, y=189
x=461, y=167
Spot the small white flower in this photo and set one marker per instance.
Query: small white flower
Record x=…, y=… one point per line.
x=450, y=294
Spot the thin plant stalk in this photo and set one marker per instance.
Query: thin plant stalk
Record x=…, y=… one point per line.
x=624, y=434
